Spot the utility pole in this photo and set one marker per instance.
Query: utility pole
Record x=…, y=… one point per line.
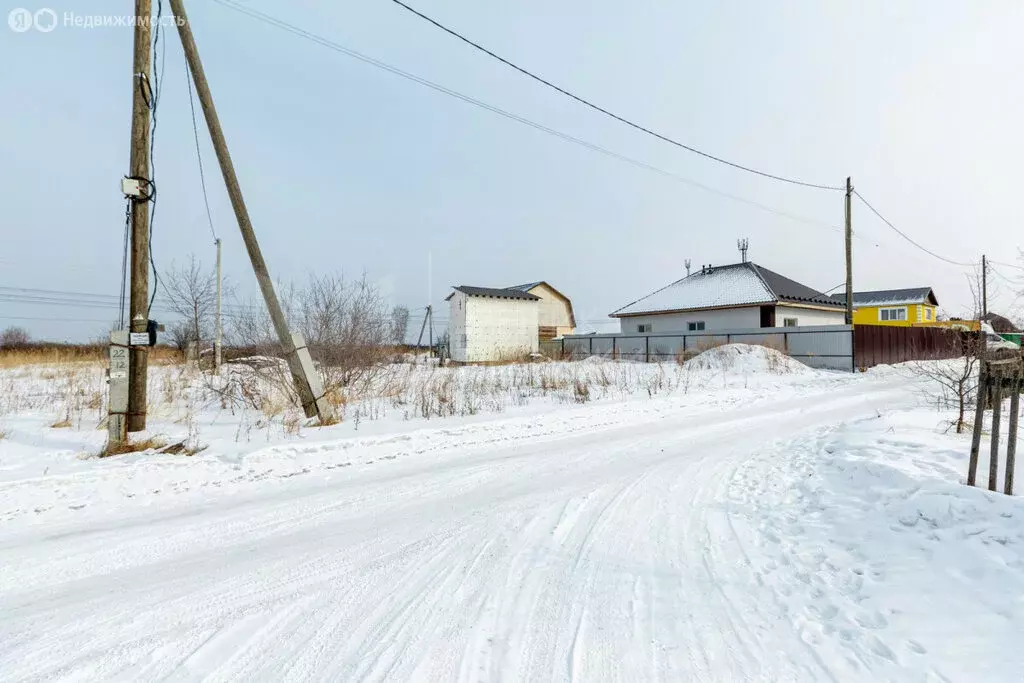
x=218, y=339
x=430, y=317
x=849, y=253
x=307, y=382
x=142, y=98
x=984, y=286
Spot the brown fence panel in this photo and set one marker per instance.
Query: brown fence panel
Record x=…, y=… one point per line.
x=885, y=344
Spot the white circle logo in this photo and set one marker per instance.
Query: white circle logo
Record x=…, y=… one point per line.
x=46, y=20
x=20, y=19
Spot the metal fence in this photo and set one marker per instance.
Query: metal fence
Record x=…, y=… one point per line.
x=820, y=346
x=886, y=344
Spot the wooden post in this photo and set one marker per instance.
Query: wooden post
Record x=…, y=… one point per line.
x=979, y=420
x=613, y=348
x=591, y=345
x=647, y=349
x=997, y=408
x=849, y=252
x=563, y=348
x=218, y=339
x=142, y=99
x=308, y=386
x=1011, y=438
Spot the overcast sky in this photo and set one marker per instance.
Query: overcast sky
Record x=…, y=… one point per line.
x=352, y=169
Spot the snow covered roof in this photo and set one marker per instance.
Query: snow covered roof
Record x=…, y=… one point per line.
x=738, y=284
x=495, y=292
x=891, y=297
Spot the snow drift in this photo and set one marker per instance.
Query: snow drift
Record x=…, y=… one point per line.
x=746, y=358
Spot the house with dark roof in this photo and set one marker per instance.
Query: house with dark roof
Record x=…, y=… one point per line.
x=489, y=324
x=555, y=316
x=737, y=296
x=899, y=307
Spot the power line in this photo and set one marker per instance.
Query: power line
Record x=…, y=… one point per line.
x=907, y=237
x=61, y=320
x=199, y=154
x=337, y=47
x=611, y=114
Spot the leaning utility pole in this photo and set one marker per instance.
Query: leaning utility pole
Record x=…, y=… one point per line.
x=984, y=286
x=849, y=253
x=142, y=99
x=307, y=382
x=218, y=339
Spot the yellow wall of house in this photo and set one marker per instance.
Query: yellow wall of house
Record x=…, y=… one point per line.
x=916, y=313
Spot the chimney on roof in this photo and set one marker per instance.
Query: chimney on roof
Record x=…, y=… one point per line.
x=743, y=245
x=687, y=264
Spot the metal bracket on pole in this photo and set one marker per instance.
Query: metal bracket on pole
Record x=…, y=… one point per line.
x=315, y=403
x=118, y=379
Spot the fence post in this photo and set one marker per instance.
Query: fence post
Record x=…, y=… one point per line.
x=591, y=345
x=993, y=458
x=728, y=338
x=1011, y=438
x=979, y=419
x=613, y=348
x=563, y=349
x=647, y=349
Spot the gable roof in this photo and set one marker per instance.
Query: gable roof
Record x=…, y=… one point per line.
x=494, y=292
x=891, y=297
x=737, y=284
x=530, y=285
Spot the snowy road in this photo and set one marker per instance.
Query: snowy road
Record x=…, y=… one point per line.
x=595, y=545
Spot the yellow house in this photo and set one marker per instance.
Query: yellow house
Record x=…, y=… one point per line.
x=900, y=307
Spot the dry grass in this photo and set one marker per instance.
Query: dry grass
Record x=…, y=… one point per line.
x=63, y=423
x=128, y=446
x=3, y=434
x=57, y=354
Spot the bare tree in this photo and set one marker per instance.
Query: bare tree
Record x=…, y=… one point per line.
x=192, y=296
x=346, y=323
x=14, y=337
x=953, y=383
x=399, y=324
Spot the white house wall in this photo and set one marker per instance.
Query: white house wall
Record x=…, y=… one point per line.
x=721, y=319
x=808, y=316
x=457, y=326
x=490, y=328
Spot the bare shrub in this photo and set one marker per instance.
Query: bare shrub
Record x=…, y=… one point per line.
x=953, y=383
x=14, y=338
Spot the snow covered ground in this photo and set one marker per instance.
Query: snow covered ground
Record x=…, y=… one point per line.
x=738, y=519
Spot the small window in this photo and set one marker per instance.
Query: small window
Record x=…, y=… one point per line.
x=889, y=314
x=927, y=314
x=696, y=326
x=646, y=327
x=790, y=322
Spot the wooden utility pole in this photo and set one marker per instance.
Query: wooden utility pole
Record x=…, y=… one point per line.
x=984, y=286
x=849, y=253
x=218, y=339
x=307, y=382
x=142, y=98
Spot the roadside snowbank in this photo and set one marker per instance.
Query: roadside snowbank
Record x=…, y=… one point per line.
x=750, y=359
x=885, y=562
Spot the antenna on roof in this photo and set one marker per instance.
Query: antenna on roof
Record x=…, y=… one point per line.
x=743, y=245
x=687, y=264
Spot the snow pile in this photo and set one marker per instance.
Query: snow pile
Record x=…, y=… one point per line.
x=748, y=359
x=888, y=565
